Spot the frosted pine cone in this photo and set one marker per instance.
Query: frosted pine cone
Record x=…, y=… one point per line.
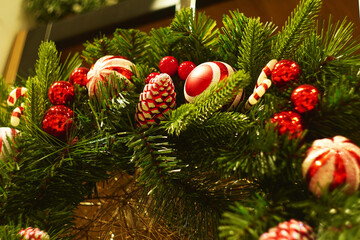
x=290, y=230
x=33, y=234
x=157, y=98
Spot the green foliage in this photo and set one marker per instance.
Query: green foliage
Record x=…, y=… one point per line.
x=188, y=117
x=254, y=43
x=208, y=171
x=230, y=40
x=195, y=36
x=101, y=46
x=131, y=44
x=247, y=221
x=295, y=29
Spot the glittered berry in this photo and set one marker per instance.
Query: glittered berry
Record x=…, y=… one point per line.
x=79, y=76
x=169, y=65
x=285, y=72
x=58, y=121
x=331, y=163
x=288, y=123
x=157, y=98
x=289, y=230
x=151, y=76
x=61, y=93
x=205, y=76
x=304, y=98
x=185, y=68
x=104, y=71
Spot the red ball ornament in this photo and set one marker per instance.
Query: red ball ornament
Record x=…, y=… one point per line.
x=104, y=71
x=61, y=93
x=288, y=123
x=58, y=121
x=169, y=65
x=289, y=230
x=284, y=72
x=185, y=68
x=206, y=75
x=330, y=163
x=151, y=76
x=79, y=76
x=304, y=98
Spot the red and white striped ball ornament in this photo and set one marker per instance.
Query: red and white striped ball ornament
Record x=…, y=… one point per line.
x=33, y=234
x=330, y=163
x=206, y=75
x=104, y=70
x=289, y=230
x=6, y=134
x=157, y=98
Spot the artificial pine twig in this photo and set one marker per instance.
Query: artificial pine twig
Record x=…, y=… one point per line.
x=298, y=25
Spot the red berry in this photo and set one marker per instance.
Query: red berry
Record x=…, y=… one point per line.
x=185, y=68
x=151, y=76
x=169, y=65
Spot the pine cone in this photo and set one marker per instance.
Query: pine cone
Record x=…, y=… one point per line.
x=33, y=234
x=290, y=230
x=157, y=98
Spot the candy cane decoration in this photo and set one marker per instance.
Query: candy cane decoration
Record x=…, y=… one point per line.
x=262, y=84
x=15, y=95
x=258, y=93
x=266, y=72
x=16, y=115
x=17, y=112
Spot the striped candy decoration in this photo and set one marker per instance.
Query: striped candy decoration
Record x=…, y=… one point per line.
x=258, y=93
x=289, y=230
x=6, y=134
x=105, y=68
x=157, y=98
x=33, y=234
x=17, y=112
x=263, y=83
x=332, y=162
x=266, y=72
x=16, y=115
x=206, y=75
x=15, y=95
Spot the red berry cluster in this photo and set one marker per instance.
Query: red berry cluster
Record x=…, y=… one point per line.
x=170, y=65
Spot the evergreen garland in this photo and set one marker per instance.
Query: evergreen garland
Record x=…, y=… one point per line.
x=206, y=172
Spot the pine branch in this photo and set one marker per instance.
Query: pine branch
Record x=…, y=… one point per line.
x=190, y=117
x=160, y=44
x=250, y=220
x=339, y=112
x=254, y=43
x=131, y=44
x=98, y=48
x=195, y=37
x=230, y=40
x=47, y=66
x=296, y=28
x=36, y=105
